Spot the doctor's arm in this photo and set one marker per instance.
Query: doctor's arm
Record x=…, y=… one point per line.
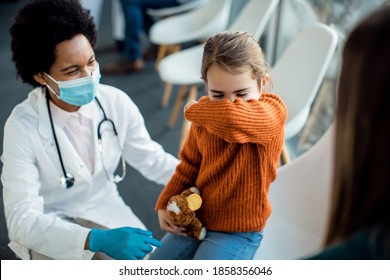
x=28, y=226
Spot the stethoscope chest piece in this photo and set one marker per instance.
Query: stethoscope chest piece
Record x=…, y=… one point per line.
x=67, y=181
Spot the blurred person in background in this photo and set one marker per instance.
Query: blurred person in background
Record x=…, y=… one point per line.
x=137, y=21
x=359, y=224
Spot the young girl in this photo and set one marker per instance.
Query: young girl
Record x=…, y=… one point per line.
x=230, y=155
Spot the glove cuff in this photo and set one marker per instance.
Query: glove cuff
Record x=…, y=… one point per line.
x=95, y=239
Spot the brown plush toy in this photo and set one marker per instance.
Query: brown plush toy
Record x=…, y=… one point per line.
x=181, y=211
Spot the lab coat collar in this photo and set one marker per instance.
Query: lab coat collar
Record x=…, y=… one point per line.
x=90, y=111
x=61, y=116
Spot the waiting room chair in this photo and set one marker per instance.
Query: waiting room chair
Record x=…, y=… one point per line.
x=118, y=20
x=300, y=199
x=171, y=11
x=183, y=68
x=299, y=72
x=195, y=25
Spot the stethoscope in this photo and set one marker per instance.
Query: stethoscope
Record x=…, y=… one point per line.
x=67, y=180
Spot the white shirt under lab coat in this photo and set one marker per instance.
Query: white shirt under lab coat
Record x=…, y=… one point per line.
x=35, y=202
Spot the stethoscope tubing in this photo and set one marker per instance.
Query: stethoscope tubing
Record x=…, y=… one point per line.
x=68, y=180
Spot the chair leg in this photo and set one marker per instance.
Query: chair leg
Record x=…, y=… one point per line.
x=162, y=51
x=176, y=108
x=193, y=93
x=186, y=124
x=285, y=156
x=184, y=133
x=167, y=95
x=174, y=48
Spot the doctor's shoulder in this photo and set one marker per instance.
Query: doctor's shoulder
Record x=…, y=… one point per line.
x=28, y=109
x=22, y=125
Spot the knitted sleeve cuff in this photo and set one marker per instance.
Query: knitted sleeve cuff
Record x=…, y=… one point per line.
x=256, y=121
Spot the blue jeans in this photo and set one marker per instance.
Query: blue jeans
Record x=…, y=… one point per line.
x=216, y=246
x=136, y=21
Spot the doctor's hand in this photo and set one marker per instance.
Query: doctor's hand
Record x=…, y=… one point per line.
x=167, y=225
x=124, y=243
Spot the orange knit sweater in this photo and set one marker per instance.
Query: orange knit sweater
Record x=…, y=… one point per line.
x=231, y=155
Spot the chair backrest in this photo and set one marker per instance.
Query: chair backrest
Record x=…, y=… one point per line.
x=300, y=198
x=170, y=11
x=197, y=24
x=298, y=73
x=254, y=17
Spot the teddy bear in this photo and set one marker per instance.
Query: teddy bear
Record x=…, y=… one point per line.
x=181, y=211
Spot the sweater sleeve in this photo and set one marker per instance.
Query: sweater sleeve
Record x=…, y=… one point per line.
x=255, y=121
x=186, y=172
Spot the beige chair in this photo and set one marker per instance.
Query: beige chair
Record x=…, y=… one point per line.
x=300, y=198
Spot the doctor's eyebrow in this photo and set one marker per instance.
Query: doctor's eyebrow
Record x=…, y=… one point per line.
x=76, y=65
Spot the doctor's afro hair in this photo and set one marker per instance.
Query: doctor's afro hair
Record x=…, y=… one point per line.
x=39, y=27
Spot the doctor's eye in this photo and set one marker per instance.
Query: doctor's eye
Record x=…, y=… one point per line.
x=72, y=72
x=92, y=62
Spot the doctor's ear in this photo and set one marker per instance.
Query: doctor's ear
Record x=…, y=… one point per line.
x=39, y=78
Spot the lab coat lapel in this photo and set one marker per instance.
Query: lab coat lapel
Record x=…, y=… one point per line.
x=44, y=121
x=45, y=131
x=97, y=117
x=72, y=161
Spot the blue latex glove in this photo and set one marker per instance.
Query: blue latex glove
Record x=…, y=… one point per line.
x=124, y=243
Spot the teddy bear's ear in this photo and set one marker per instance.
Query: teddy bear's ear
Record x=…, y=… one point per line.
x=194, y=201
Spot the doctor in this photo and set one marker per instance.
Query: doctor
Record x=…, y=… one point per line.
x=62, y=145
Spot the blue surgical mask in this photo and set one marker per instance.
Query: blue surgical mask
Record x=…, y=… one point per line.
x=77, y=92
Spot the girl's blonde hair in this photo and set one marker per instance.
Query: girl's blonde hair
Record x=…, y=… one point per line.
x=232, y=51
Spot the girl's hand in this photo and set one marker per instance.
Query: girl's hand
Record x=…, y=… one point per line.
x=167, y=225
x=189, y=104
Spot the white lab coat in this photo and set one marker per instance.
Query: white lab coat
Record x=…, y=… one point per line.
x=35, y=202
